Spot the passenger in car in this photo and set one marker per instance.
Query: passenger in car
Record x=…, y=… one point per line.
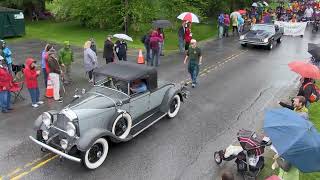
x=138, y=86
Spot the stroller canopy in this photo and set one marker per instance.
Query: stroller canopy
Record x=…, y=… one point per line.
x=251, y=142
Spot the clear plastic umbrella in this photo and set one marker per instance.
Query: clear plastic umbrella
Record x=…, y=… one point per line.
x=123, y=36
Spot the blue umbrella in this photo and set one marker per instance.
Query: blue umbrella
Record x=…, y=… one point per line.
x=295, y=139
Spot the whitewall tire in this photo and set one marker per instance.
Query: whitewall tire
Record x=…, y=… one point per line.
x=122, y=125
x=174, y=106
x=96, y=155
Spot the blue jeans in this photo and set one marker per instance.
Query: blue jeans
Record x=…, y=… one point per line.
x=181, y=44
x=45, y=76
x=5, y=98
x=34, y=93
x=148, y=55
x=155, y=57
x=221, y=29
x=193, y=69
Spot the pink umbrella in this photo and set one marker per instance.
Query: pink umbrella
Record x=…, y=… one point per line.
x=305, y=69
x=274, y=177
x=188, y=16
x=242, y=11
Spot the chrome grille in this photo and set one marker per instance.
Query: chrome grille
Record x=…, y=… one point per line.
x=61, y=122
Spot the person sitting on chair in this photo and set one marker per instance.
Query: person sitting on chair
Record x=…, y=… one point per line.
x=138, y=86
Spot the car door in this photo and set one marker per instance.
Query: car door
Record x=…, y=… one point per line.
x=139, y=104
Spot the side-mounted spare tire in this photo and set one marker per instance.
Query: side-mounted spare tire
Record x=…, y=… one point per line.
x=174, y=106
x=122, y=125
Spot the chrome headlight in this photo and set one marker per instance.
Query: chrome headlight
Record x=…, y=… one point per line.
x=266, y=40
x=64, y=143
x=46, y=119
x=71, y=129
x=242, y=37
x=45, y=135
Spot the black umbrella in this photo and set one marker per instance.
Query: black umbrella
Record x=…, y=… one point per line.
x=314, y=50
x=161, y=23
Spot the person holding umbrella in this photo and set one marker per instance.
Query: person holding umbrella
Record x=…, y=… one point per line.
x=195, y=59
x=187, y=35
x=121, y=48
x=108, y=50
x=295, y=140
x=155, y=49
x=90, y=60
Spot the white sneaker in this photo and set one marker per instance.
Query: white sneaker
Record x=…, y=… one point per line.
x=35, y=105
x=40, y=102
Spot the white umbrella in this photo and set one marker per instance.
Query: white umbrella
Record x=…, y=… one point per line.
x=123, y=36
x=265, y=3
x=188, y=16
x=254, y=4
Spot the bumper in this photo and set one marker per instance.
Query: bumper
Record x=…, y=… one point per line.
x=257, y=43
x=60, y=153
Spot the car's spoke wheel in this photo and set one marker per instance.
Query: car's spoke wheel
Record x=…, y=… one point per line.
x=174, y=106
x=122, y=125
x=95, y=156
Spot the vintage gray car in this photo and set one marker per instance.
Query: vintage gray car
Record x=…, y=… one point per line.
x=112, y=111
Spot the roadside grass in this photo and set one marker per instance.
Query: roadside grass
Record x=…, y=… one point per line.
x=58, y=32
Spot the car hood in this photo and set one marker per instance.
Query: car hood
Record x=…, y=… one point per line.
x=259, y=34
x=98, y=98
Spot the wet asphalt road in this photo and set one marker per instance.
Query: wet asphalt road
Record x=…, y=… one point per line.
x=236, y=85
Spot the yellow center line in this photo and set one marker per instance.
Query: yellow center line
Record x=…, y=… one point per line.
x=37, y=166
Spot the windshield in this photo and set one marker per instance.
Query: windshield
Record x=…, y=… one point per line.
x=112, y=83
x=263, y=28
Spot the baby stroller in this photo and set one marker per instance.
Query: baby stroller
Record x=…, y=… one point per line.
x=248, y=155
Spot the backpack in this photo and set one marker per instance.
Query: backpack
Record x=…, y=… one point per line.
x=154, y=43
x=314, y=95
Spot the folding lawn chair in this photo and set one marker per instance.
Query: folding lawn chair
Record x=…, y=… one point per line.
x=16, y=91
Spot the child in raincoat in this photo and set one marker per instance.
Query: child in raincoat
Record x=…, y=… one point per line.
x=31, y=80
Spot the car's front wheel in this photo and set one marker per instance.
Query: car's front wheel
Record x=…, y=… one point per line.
x=244, y=45
x=270, y=46
x=279, y=40
x=174, y=106
x=95, y=156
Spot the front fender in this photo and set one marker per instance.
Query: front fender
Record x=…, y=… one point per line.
x=89, y=137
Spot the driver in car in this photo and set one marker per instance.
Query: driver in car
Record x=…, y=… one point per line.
x=138, y=86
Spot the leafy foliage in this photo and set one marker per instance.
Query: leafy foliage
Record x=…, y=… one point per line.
x=116, y=14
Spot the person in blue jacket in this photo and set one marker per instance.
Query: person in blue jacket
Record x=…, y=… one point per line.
x=7, y=55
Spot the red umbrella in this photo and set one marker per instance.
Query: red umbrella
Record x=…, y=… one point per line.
x=188, y=16
x=274, y=177
x=242, y=11
x=305, y=69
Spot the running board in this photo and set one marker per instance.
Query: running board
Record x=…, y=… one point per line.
x=147, y=123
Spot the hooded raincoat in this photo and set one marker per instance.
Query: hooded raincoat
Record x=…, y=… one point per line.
x=30, y=75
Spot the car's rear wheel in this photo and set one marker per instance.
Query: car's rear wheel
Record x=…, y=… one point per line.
x=96, y=155
x=122, y=125
x=174, y=106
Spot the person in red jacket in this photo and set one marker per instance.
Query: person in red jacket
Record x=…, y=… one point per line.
x=31, y=80
x=187, y=36
x=5, y=86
